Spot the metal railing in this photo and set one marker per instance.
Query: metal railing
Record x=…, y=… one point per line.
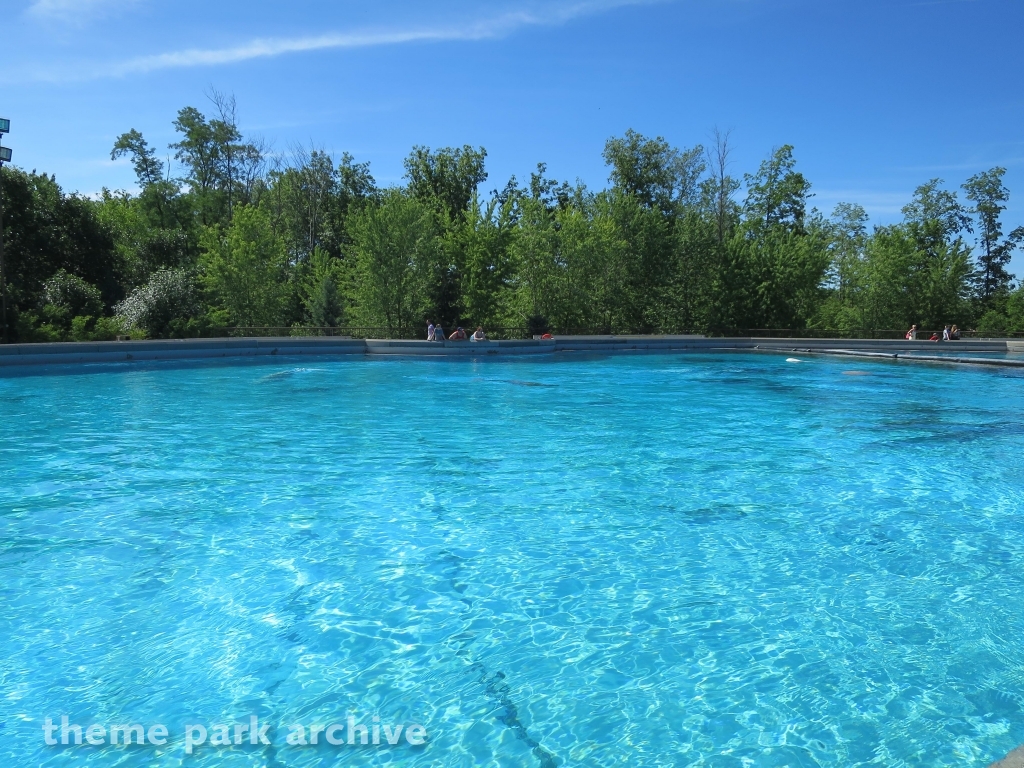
x=512, y=332
x=855, y=333
x=352, y=332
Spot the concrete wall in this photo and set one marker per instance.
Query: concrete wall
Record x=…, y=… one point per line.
x=459, y=348
x=199, y=349
x=966, y=346
x=172, y=349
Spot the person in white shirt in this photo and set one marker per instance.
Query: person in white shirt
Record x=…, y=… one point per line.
x=430, y=331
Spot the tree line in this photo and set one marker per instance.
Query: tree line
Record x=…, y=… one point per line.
x=242, y=239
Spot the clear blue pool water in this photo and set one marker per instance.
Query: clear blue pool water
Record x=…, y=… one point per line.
x=668, y=560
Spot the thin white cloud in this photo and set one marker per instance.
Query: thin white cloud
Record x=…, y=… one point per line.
x=260, y=48
x=73, y=11
x=967, y=166
x=877, y=203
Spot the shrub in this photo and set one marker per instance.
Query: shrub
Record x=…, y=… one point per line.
x=993, y=323
x=66, y=296
x=88, y=328
x=162, y=307
x=536, y=325
x=1015, y=310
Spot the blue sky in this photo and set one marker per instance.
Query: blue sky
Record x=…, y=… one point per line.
x=877, y=96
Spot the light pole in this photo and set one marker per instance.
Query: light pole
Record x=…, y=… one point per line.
x=5, y=157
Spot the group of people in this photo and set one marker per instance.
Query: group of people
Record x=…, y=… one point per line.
x=949, y=333
x=436, y=333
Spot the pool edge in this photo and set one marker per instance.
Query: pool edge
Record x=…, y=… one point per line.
x=70, y=353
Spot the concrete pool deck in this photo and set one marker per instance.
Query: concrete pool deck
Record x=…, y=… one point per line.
x=1013, y=760
x=64, y=353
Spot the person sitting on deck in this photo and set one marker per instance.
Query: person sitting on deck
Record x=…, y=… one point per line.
x=438, y=332
x=935, y=336
x=954, y=335
x=478, y=334
x=457, y=335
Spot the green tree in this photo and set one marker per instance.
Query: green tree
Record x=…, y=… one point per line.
x=321, y=298
x=665, y=247
x=775, y=265
x=847, y=238
x=849, y=234
x=908, y=282
x=935, y=214
x=548, y=191
x=46, y=230
x=393, y=241
x=159, y=197
x=721, y=287
x=581, y=297
x=143, y=245
x=154, y=229
x=775, y=279
x=222, y=171
x=245, y=269
x=938, y=273
x=696, y=259
x=446, y=178
x=935, y=219
x=653, y=204
x=532, y=289
x=989, y=195
x=718, y=189
x=148, y=168
x=446, y=182
x=1015, y=310
x=641, y=261
x=777, y=194
x=483, y=240
x=310, y=200
x=652, y=171
x=200, y=152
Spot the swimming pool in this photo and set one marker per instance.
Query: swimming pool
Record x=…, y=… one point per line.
x=707, y=560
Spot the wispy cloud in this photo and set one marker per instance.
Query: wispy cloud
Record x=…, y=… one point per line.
x=977, y=165
x=267, y=47
x=943, y=2
x=73, y=11
x=877, y=203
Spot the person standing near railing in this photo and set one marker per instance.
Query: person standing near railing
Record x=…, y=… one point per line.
x=912, y=333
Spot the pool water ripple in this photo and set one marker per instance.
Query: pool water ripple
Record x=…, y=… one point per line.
x=706, y=560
